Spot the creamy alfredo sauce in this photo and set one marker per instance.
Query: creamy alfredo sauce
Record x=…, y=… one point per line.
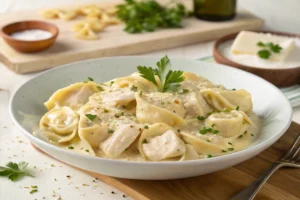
x=128, y=119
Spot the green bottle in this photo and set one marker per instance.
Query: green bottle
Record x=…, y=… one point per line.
x=215, y=10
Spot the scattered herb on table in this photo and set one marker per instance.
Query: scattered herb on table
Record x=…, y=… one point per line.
x=148, y=15
x=90, y=79
x=14, y=171
x=267, y=49
x=169, y=80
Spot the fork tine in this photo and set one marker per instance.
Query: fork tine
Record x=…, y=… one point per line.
x=296, y=152
x=291, y=148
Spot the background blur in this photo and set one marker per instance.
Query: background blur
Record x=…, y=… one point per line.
x=282, y=15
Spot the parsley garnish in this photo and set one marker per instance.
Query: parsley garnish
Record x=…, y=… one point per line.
x=169, y=80
x=252, y=134
x=224, y=151
x=145, y=141
x=14, y=171
x=146, y=127
x=91, y=117
x=241, y=136
x=149, y=15
x=230, y=149
x=230, y=143
x=70, y=147
x=201, y=118
x=237, y=108
x=264, y=54
x=209, y=156
x=268, y=48
x=90, y=79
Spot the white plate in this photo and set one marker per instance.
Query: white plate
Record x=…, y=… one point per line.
x=268, y=102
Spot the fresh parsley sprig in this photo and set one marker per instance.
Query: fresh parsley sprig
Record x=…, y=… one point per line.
x=14, y=171
x=169, y=80
x=267, y=50
x=148, y=15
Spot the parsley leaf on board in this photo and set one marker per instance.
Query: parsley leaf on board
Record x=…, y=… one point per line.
x=148, y=15
x=169, y=80
x=14, y=171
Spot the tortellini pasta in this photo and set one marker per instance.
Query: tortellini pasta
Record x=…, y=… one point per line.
x=127, y=118
x=74, y=96
x=229, y=124
x=149, y=111
x=96, y=19
x=60, y=124
x=221, y=99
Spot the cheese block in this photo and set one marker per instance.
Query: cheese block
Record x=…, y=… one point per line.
x=246, y=44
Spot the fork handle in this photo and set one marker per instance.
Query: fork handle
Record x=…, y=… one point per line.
x=249, y=192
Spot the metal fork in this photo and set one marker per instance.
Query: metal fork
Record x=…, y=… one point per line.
x=289, y=160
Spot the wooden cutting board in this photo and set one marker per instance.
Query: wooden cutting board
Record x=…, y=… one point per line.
x=114, y=41
x=283, y=185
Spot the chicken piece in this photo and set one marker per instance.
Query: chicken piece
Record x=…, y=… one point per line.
x=121, y=139
x=167, y=145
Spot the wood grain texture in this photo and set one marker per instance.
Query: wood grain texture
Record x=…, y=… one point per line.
x=114, y=41
x=280, y=77
x=283, y=185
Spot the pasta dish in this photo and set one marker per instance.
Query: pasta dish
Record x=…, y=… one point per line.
x=155, y=114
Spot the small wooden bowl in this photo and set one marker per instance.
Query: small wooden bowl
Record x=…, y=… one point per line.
x=29, y=46
x=280, y=77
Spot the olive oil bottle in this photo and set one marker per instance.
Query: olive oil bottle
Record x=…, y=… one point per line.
x=215, y=10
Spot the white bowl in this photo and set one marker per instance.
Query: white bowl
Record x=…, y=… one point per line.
x=268, y=101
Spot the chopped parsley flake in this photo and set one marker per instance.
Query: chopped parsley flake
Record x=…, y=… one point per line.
x=33, y=191
x=145, y=141
x=178, y=130
x=240, y=136
x=111, y=83
x=237, y=108
x=224, y=151
x=146, y=127
x=100, y=88
x=134, y=88
x=230, y=149
x=87, y=150
x=252, y=134
x=207, y=140
x=230, y=143
x=209, y=156
x=106, y=111
x=90, y=79
x=110, y=131
x=201, y=118
x=141, y=93
x=91, y=117
x=216, y=131
x=70, y=147
x=233, y=89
